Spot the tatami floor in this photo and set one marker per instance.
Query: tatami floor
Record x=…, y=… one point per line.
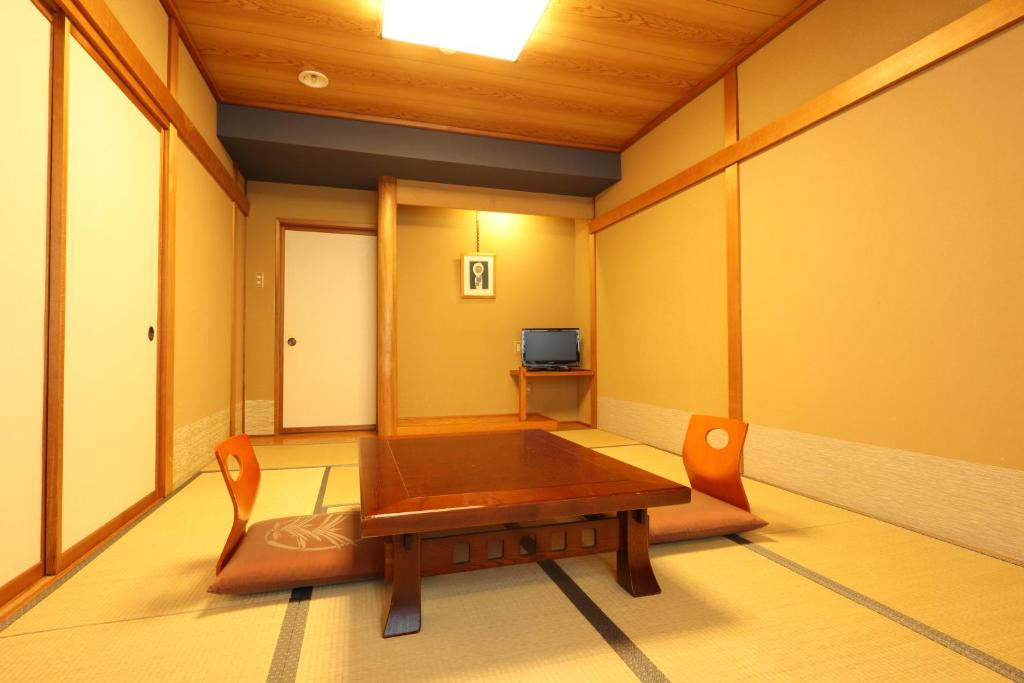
x=820, y=594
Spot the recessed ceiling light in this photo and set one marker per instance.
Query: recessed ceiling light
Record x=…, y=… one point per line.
x=313, y=79
x=492, y=28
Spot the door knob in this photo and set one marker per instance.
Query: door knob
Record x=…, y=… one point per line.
x=151, y=333
x=291, y=341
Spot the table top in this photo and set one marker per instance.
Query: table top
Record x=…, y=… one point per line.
x=413, y=485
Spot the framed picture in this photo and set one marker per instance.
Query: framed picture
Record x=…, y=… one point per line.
x=477, y=276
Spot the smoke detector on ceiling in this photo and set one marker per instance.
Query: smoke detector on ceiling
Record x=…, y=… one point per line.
x=313, y=79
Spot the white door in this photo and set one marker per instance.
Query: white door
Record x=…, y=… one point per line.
x=113, y=222
x=329, y=344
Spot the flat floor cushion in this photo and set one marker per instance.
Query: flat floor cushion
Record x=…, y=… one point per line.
x=702, y=517
x=311, y=550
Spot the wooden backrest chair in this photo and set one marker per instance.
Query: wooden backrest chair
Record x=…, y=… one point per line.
x=716, y=471
x=285, y=552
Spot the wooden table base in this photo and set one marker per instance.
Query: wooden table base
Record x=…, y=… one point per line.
x=409, y=557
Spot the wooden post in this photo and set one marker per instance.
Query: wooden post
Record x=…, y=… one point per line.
x=387, y=306
x=522, y=394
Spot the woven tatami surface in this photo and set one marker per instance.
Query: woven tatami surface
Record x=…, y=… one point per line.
x=139, y=610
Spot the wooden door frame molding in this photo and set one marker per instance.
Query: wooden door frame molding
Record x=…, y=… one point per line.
x=301, y=225
x=984, y=22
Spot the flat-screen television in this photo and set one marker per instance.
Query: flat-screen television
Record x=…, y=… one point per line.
x=552, y=348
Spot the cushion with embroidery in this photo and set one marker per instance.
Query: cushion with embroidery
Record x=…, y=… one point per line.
x=702, y=517
x=311, y=550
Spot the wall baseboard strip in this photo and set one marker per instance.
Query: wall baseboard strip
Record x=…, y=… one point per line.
x=972, y=505
x=656, y=426
x=259, y=417
x=969, y=504
x=194, y=444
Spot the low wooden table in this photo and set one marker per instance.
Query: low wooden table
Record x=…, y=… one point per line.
x=415, y=488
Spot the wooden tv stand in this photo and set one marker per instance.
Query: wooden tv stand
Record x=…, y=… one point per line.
x=523, y=375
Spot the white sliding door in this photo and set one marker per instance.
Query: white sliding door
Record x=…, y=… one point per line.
x=113, y=218
x=330, y=330
x=24, y=138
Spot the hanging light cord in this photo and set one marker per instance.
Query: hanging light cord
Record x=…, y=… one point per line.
x=478, y=231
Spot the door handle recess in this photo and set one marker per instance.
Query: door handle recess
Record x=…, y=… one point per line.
x=151, y=333
x=291, y=341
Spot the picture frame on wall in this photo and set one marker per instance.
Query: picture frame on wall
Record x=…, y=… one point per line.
x=478, y=275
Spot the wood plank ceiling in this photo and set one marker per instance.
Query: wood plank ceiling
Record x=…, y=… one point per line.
x=594, y=74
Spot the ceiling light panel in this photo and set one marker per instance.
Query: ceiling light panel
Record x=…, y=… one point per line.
x=492, y=28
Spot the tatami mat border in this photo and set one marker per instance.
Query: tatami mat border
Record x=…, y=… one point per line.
x=285, y=663
x=638, y=662
x=958, y=646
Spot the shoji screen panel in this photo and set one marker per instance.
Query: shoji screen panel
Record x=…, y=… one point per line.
x=24, y=135
x=109, y=454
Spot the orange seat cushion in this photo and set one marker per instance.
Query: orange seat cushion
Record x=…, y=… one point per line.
x=702, y=517
x=290, y=552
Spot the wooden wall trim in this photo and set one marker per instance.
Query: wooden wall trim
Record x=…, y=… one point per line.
x=471, y=198
x=592, y=276
x=732, y=249
x=105, y=34
x=49, y=12
x=278, y=326
x=181, y=31
x=233, y=353
x=165, y=336
x=166, y=317
x=975, y=26
x=387, y=306
x=18, y=585
x=54, y=417
x=740, y=57
x=301, y=225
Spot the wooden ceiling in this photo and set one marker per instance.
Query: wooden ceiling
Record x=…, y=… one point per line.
x=594, y=74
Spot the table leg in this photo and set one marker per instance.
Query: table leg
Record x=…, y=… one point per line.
x=403, y=615
x=633, y=562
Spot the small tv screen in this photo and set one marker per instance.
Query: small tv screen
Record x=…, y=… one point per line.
x=551, y=347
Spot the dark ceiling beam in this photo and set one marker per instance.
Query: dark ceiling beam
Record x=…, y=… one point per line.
x=285, y=147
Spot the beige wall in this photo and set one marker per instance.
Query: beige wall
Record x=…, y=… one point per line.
x=661, y=304
x=269, y=202
x=686, y=137
x=199, y=104
x=24, y=39
x=881, y=282
x=836, y=40
x=883, y=267
x=204, y=254
x=454, y=354
x=147, y=24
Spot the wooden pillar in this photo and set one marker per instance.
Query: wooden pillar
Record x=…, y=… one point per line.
x=165, y=335
x=54, y=469
x=387, y=306
x=732, y=247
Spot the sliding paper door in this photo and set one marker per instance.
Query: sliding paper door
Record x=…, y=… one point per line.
x=25, y=49
x=113, y=219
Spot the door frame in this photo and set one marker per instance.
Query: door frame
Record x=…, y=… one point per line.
x=302, y=225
